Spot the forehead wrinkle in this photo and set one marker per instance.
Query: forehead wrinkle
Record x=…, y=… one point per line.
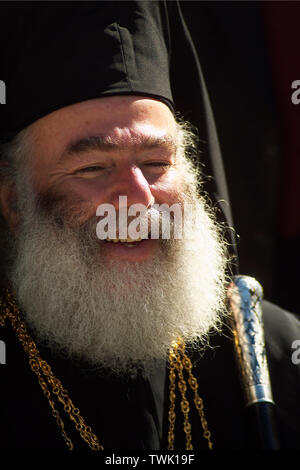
x=108, y=143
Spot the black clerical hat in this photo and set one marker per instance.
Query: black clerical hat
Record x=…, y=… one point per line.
x=57, y=54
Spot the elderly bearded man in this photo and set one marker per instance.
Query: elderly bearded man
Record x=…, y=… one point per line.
x=104, y=314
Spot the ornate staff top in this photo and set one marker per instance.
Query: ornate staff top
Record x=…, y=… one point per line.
x=245, y=295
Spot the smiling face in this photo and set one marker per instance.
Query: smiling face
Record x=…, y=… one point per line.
x=116, y=306
x=95, y=151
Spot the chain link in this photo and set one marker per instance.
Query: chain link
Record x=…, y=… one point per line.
x=172, y=394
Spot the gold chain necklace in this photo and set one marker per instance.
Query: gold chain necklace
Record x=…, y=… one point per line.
x=46, y=378
x=178, y=362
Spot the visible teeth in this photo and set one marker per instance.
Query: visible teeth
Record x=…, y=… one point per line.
x=123, y=240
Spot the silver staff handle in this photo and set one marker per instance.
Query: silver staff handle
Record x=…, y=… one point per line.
x=245, y=295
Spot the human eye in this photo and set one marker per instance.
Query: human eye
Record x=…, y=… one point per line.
x=158, y=164
x=89, y=169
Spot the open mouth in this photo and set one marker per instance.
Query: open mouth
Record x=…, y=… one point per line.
x=133, y=249
x=129, y=242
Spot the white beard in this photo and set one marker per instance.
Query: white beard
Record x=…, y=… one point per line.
x=119, y=316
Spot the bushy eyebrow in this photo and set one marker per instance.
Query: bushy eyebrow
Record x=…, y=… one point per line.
x=106, y=143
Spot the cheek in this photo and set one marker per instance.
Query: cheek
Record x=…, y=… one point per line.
x=75, y=202
x=88, y=191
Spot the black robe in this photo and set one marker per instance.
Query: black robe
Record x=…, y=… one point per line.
x=132, y=414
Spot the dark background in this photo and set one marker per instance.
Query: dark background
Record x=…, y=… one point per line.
x=249, y=52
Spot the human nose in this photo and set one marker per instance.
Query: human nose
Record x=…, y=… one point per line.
x=131, y=182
